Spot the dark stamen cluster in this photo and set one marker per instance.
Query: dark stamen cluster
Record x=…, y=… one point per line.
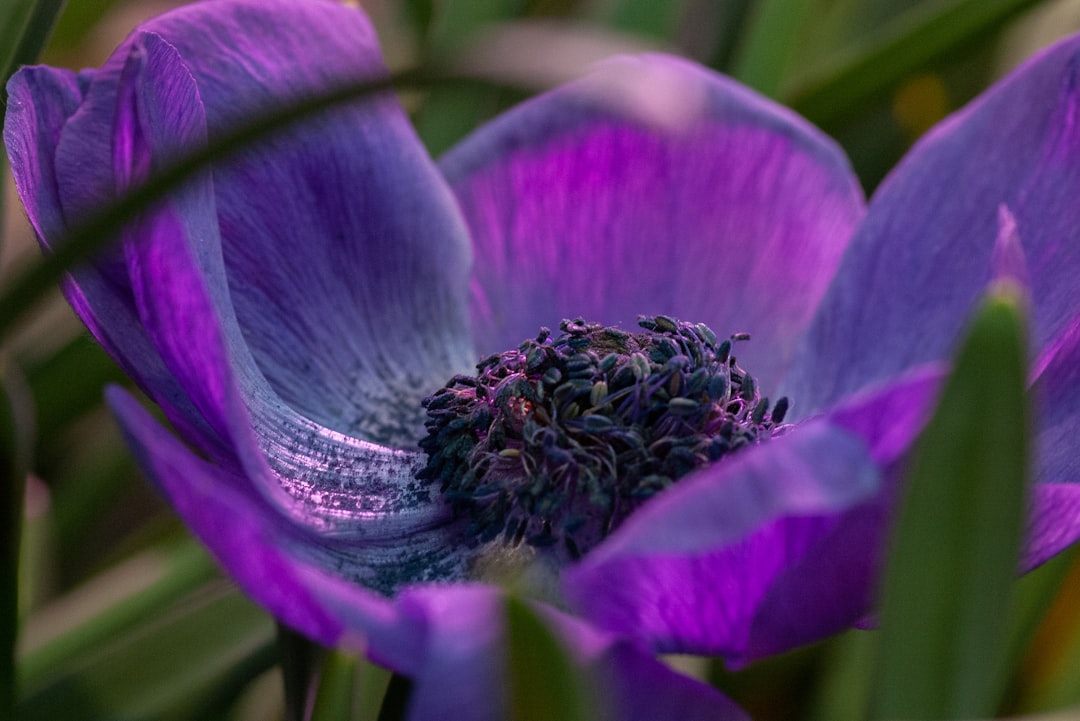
x=562, y=438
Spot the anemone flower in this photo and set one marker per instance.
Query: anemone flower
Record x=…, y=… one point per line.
x=308, y=311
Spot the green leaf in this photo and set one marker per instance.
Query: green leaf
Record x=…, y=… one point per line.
x=371, y=684
x=455, y=21
x=879, y=60
x=419, y=14
x=843, y=686
x=130, y=594
x=449, y=113
x=77, y=22
x=545, y=683
x=658, y=20
x=25, y=26
x=763, y=58
x=955, y=547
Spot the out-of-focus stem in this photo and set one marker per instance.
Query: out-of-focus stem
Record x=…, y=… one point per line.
x=15, y=433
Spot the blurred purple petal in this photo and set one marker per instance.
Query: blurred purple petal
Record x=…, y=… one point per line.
x=733, y=213
x=643, y=689
x=462, y=674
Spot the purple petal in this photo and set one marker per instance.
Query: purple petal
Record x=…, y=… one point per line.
x=170, y=295
x=826, y=590
x=346, y=258
x=1054, y=522
x=633, y=685
x=1003, y=166
x=338, y=484
x=1056, y=392
x=692, y=570
x=40, y=100
x=447, y=639
x=464, y=656
x=733, y=213
x=234, y=526
x=642, y=689
x=888, y=418
x=253, y=540
x=1055, y=513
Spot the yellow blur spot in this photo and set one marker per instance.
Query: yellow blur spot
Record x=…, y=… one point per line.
x=919, y=103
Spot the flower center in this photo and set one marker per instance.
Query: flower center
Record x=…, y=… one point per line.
x=559, y=440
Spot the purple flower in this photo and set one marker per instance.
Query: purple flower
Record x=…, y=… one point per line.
x=290, y=308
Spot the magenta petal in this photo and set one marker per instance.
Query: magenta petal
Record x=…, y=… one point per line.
x=734, y=213
x=1004, y=165
x=691, y=570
